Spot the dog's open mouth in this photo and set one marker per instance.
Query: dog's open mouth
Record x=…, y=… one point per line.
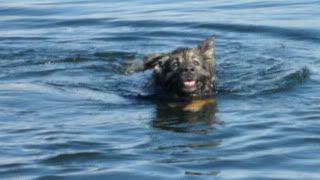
x=189, y=86
x=189, y=83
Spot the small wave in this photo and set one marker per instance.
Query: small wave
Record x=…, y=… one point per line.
x=72, y=157
x=115, y=54
x=133, y=85
x=269, y=81
x=80, y=22
x=122, y=38
x=260, y=4
x=22, y=11
x=149, y=23
x=20, y=38
x=288, y=81
x=289, y=33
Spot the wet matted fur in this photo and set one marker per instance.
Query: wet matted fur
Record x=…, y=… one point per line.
x=184, y=72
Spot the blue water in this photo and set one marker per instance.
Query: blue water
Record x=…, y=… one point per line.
x=70, y=106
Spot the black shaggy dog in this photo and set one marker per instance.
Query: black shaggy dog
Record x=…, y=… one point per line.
x=185, y=72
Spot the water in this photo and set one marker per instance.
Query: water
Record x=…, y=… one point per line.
x=69, y=106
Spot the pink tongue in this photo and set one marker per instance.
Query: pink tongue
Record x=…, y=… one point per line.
x=189, y=83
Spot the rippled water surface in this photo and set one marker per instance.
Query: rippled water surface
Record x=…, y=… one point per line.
x=70, y=106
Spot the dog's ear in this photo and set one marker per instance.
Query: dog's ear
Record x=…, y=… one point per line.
x=207, y=50
x=152, y=61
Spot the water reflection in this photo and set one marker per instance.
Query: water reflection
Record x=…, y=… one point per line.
x=194, y=149
x=196, y=116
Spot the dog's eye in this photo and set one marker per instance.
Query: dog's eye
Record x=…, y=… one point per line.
x=175, y=64
x=160, y=63
x=195, y=62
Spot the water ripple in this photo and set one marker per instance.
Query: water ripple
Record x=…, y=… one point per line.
x=289, y=33
x=73, y=157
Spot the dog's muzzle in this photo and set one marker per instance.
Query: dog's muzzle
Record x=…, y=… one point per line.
x=188, y=79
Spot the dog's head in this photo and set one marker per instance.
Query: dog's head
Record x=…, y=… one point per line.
x=184, y=72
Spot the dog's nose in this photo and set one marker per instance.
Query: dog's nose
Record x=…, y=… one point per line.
x=188, y=69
